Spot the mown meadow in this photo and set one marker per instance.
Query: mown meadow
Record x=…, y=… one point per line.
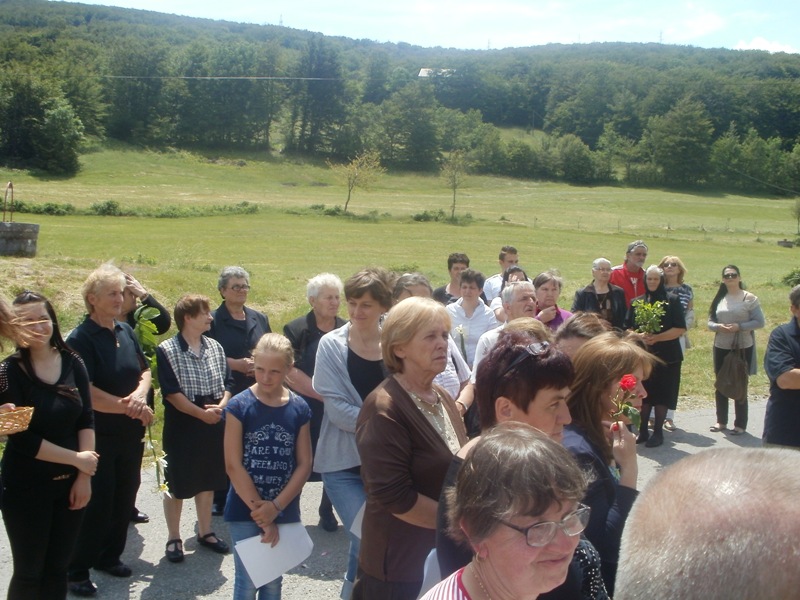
x=298, y=232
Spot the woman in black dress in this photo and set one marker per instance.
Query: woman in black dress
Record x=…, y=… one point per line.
x=664, y=382
x=195, y=382
x=46, y=469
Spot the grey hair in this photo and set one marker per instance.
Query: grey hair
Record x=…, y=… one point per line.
x=507, y=294
x=324, y=280
x=600, y=261
x=656, y=269
x=720, y=523
x=551, y=275
x=229, y=273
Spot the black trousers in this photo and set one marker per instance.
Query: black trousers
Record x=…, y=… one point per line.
x=41, y=532
x=740, y=408
x=114, y=486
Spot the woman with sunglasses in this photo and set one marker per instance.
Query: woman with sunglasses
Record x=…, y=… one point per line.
x=527, y=381
x=47, y=469
x=733, y=317
x=601, y=444
x=516, y=504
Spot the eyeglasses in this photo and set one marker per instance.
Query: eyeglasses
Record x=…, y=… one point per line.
x=541, y=534
x=730, y=275
x=672, y=264
x=240, y=288
x=534, y=349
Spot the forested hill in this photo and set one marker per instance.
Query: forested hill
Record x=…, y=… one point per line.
x=644, y=113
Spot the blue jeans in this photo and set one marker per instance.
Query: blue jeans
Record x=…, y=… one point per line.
x=346, y=491
x=243, y=588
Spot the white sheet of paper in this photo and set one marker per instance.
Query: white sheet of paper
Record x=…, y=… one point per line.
x=264, y=563
x=355, y=528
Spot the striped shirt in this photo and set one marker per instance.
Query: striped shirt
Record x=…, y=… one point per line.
x=451, y=588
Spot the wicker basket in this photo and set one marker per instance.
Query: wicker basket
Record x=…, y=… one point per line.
x=15, y=420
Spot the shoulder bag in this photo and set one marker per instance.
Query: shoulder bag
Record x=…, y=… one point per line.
x=732, y=377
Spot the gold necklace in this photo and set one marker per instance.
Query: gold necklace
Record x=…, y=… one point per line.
x=480, y=583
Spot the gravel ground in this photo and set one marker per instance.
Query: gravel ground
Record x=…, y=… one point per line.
x=205, y=574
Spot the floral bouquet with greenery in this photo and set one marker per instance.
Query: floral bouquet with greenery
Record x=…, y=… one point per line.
x=647, y=317
x=622, y=401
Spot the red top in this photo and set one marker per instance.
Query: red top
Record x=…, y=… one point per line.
x=632, y=283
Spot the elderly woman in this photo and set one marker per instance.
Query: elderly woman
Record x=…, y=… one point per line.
x=237, y=328
x=601, y=297
x=470, y=316
x=734, y=316
x=407, y=433
x=664, y=382
x=195, y=382
x=120, y=380
x=517, y=504
x=349, y=366
x=457, y=373
x=526, y=380
x=674, y=273
x=548, y=290
x=323, y=293
x=46, y=469
x=602, y=445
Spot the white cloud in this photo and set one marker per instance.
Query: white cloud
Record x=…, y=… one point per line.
x=759, y=43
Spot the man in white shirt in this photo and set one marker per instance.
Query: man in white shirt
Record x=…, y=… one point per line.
x=491, y=287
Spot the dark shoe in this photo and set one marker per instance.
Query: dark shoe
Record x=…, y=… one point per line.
x=117, y=570
x=655, y=440
x=139, y=517
x=175, y=555
x=644, y=435
x=328, y=522
x=219, y=546
x=83, y=588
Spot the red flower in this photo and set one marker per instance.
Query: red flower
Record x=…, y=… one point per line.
x=628, y=382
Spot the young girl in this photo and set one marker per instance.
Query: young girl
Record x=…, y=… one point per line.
x=46, y=469
x=267, y=456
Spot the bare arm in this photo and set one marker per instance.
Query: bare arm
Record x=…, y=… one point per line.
x=789, y=380
x=422, y=514
x=301, y=383
x=81, y=491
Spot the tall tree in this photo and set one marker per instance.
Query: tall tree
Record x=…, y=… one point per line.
x=454, y=171
x=361, y=172
x=680, y=142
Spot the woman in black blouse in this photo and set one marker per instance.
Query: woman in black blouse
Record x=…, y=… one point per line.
x=46, y=469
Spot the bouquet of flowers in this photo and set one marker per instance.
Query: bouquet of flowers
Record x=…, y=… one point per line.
x=647, y=317
x=622, y=401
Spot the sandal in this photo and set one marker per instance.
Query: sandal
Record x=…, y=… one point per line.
x=175, y=555
x=737, y=431
x=669, y=425
x=718, y=427
x=218, y=546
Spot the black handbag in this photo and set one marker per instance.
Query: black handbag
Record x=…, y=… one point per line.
x=733, y=374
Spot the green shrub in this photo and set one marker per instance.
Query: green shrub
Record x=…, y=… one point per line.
x=793, y=278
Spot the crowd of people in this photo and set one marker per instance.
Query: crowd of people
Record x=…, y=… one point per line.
x=481, y=434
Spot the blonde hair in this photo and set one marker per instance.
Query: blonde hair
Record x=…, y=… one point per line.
x=530, y=326
x=677, y=261
x=102, y=277
x=276, y=343
x=404, y=321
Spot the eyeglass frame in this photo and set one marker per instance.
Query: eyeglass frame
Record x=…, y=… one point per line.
x=532, y=349
x=730, y=275
x=670, y=264
x=240, y=287
x=555, y=525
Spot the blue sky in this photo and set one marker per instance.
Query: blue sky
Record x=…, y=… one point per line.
x=737, y=24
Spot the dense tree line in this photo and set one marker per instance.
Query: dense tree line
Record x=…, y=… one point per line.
x=646, y=114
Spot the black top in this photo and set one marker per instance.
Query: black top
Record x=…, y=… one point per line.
x=782, y=420
x=612, y=308
x=60, y=411
x=365, y=375
x=238, y=338
x=669, y=351
x=115, y=363
x=304, y=335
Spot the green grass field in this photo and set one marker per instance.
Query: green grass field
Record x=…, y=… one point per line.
x=285, y=243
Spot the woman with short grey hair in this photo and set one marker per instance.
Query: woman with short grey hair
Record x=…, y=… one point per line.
x=601, y=297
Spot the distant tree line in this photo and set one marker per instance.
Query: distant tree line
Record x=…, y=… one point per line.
x=643, y=114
